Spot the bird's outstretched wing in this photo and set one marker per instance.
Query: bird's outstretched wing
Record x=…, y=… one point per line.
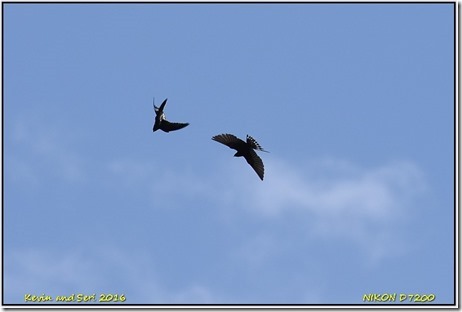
x=161, y=108
x=163, y=105
x=254, y=144
x=171, y=126
x=256, y=163
x=229, y=140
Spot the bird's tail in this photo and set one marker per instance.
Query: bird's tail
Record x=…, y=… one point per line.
x=255, y=144
x=153, y=104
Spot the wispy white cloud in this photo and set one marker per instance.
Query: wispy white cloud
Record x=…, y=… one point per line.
x=38, y=272
x=375, y=193
x=338, y=202
x=129, y=172
x=106, y=270
x=341, y=201
x=164, y=187
x=347, y=203
x=256, y=250
x=42, y=149
x=193, y=294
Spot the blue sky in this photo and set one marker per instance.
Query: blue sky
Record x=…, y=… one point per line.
x=355, y=103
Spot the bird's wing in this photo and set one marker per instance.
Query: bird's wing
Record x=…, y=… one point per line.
x=256, y=163
x=254, y=144
x=172, y=126
x=229, y=140
x=161, y=108
x=156, y=125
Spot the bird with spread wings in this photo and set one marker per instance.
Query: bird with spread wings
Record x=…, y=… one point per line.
x=244, y=149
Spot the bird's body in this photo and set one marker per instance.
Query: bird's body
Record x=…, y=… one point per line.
x=162, y=123
x=244, y=149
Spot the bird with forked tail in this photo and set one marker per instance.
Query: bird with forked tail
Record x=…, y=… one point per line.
x=162, y=123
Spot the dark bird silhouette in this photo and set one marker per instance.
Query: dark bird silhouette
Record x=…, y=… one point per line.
x=162, y=123
x=245, y=149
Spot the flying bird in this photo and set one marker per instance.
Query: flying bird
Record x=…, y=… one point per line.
x=162, y=123
x=245, y=149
